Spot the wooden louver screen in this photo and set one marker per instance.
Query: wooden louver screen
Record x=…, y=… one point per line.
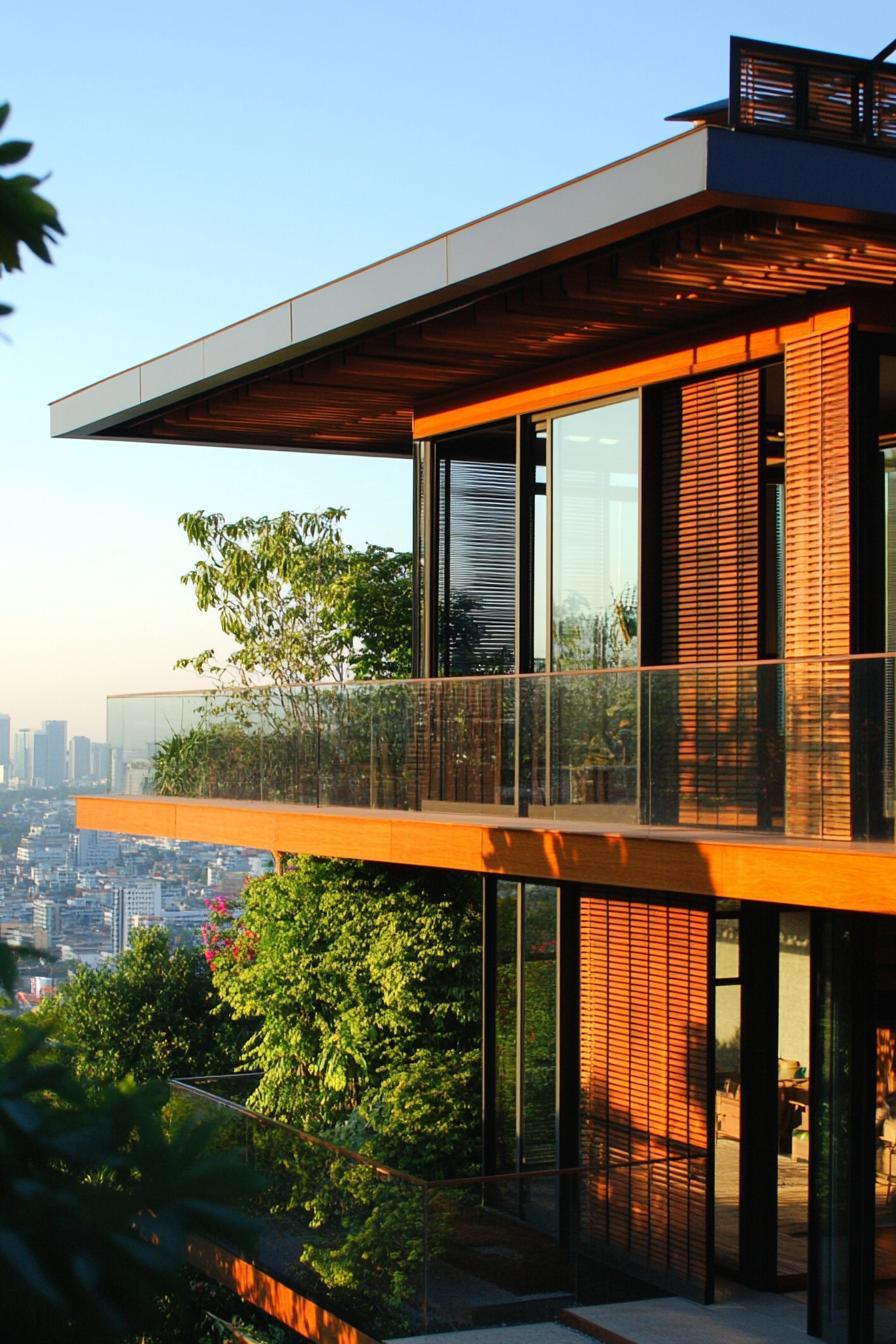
x=817, y=585
x=789, y=89
x=767, y=91
x=883, y=109
x=710, y=592
x=644, y=1075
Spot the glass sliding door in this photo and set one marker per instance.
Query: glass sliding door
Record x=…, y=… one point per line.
x=794, y=1083
x=728, y=1087
x=524, y=1014
x=504, y=1011
x=593, y=515
x=594, y=536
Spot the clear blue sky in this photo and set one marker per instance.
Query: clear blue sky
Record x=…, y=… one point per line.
x=209, y=159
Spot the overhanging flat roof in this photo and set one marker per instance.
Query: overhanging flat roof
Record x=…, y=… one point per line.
x=353, y=405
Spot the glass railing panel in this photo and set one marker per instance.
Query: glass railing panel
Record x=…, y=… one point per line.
x=803, y=748
x=591, y=739
x=500, y=1250
x=332, y=1225
x=712, y=746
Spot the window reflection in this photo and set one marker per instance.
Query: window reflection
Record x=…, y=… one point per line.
x=594, y=505
x=794, y=997
x=505, y=1028
x=728, y=1090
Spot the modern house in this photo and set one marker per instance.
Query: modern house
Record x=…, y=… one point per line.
x=652, y=418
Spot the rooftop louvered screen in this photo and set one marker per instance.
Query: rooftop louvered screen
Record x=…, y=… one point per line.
x=813, y=94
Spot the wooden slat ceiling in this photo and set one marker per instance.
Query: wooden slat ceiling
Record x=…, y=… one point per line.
x=361, y=396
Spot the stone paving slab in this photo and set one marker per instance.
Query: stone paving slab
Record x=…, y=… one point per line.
x=761, y=1319
x=546, y=1332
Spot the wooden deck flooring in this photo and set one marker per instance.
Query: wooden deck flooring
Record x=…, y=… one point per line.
x=793, y=1229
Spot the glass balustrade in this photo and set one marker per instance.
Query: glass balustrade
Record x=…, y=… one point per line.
x=396, y=1254
x=802, y=747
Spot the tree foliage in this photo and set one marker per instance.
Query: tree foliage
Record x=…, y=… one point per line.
x=300, y=604
x=154, y=1014
x=97, y=1196
x=25, y=216
x=363, y=983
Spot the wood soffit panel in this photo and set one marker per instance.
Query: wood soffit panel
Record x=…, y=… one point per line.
x=857, y=877
x=362, y=397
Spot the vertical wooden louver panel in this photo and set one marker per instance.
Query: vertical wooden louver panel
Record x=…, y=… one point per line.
x=644, y=1071
x=710, y=591
x=817, y=585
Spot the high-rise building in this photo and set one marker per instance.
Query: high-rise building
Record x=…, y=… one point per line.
x=39, y=757
x=79, y=760
x=99, y=761
x=5, y=762
x=136, y=898
x=137, y=775
x=23, y=757
x=97, y=849
x=57, y=737
x=47, y=923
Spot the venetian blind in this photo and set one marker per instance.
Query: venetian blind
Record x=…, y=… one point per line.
x=644, y=1071
x=817, y=585
x=710, y=591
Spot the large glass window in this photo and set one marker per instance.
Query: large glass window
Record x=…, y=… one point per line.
x=525, y=1046
x=505, y=1028
x=594, y=536
x=794, y=995
x=476, y=553
x=728, y=1088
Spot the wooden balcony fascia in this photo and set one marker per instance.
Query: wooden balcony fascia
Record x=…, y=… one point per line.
x=856, y=876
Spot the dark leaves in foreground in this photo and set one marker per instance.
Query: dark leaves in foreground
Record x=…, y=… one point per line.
x=97, y=1198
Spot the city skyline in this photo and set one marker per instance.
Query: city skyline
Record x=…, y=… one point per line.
x=49, y=756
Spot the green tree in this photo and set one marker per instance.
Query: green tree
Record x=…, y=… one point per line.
x=25, y=217
x=300, y=604
x=356, y=976
x=97, y=1194
x=364, y=981
x=154, y=1014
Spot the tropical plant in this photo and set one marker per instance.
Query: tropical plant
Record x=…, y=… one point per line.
x=299, y=603
x=25, y=217
x=97, y=1195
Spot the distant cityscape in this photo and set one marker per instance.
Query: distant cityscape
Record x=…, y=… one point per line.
x=71, y=897
x=46, y=757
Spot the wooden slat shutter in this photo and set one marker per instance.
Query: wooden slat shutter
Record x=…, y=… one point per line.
x=710, y=590
x=817, y=585
x=644, y=1074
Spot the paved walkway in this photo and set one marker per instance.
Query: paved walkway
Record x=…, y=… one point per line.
x=749, y=1318
x=543, y=1333
x=746, y=1318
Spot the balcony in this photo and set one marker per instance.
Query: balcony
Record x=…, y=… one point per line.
x=390, y=1253
x=803, y=748
x=737, y=779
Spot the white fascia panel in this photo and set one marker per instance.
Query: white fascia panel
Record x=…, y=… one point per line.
x=256, y=338
x=179, y=368
x=623, y=191
x=97, y=405
x=364, y=294
x=391, y=289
